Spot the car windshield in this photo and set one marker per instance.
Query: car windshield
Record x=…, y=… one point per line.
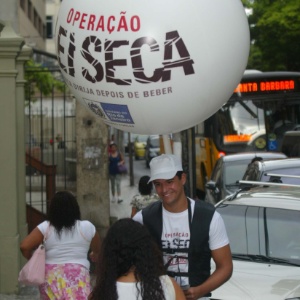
x=154, y=143
x=256, y=232
x=141, y=138
x=234, y=171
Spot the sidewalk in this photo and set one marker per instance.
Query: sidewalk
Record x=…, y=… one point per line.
x=123, y=210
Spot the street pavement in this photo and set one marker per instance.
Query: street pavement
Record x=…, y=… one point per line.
x=117, y=211
x=123, y=210
x=26, y=293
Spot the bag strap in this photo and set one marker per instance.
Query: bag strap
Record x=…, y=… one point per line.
x=84, y=237
x=46, y=233
x=121, y=157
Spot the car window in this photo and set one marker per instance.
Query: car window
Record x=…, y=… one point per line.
x=154, y=143
x=234, y=219
x=263, y=231
x=234, y=171
x=283, y=234
x=291, y=144
x=141, y=138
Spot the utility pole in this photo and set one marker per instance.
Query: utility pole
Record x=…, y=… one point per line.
x=131, y=174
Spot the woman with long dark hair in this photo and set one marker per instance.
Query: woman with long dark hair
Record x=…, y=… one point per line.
x=131, y=266
x=115, y=158
x=68, y=240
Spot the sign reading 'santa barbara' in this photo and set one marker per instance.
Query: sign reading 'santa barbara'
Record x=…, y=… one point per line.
x=152, y=67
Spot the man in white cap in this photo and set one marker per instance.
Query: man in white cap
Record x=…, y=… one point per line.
x=188, y=232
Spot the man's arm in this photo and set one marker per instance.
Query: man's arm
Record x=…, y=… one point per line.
x=223, y=260
x=133, y=211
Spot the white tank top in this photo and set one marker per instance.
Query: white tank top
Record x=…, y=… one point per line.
x=128, y=290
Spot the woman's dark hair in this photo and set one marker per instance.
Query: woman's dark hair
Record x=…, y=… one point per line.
x=64, y=211
x=128, y=246
x=113, y=144
x=145, y=188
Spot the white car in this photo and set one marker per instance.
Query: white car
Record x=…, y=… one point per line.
x=263, y=226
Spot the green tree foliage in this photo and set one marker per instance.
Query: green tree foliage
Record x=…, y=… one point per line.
x=275, y=35
x=40, y=80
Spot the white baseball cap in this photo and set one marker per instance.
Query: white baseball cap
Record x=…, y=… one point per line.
x=165, y=166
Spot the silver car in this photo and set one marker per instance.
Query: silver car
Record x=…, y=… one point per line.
x=229, y=170
x=264, y=232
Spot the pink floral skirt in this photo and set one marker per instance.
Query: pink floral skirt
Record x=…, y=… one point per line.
x=66, y=282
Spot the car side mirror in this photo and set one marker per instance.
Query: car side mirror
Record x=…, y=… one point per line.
x=211, y=185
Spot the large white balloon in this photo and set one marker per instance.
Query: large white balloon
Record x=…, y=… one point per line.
x=152, y=66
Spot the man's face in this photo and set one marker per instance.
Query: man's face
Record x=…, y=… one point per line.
x=171, y=191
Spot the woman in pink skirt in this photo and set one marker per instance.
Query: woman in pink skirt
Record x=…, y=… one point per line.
x=68, y=241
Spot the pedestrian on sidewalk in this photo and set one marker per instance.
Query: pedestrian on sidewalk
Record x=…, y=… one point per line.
x=68, y=240
x=116, y=159
x=131, y=266
x=110, y=142
x=145, y=196
x=189, y=232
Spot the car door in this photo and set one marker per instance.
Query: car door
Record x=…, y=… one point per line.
x=242, y=226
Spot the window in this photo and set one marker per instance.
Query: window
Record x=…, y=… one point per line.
x=154, y=143
x=235, y=170
x=22, y=4
x=41, y=29
x=234, y=219
x=49, y=27
x=272, y=232
x=283, y=233
x=29, y=11
x=35, y=19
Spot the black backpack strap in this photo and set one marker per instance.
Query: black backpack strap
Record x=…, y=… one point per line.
x=152, y=219
x=200, y=254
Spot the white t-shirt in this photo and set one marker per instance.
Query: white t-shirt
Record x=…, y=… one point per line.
x=128, y=290
x=176, y=235
x=71, y=247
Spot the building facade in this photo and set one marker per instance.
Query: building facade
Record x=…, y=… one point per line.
x=52, y=8
x=28, y=19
